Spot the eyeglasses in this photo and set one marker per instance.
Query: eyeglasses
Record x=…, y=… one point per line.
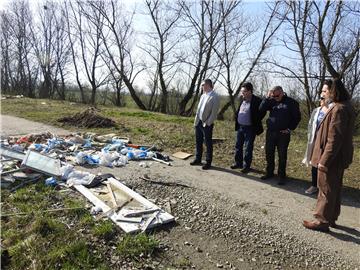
x=322, y=98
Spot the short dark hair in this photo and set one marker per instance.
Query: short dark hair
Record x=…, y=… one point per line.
x=248, y=86
x=338, y=91
x=209, y=82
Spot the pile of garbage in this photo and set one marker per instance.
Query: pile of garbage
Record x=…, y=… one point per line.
x=88, y=119
x=34, y=157
x=88, y=149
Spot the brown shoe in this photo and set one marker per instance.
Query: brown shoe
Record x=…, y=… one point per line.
x=316, y=225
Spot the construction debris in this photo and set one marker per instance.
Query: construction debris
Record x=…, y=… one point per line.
x=28, y=159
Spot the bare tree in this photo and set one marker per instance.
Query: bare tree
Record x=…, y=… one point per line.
x=73, y=20
x=162, y=43
x=337, y=55
x=117, y=42
x=202, y=22
x=19, y=70
x=87, y=30
x=271, y=27
x=235, y=31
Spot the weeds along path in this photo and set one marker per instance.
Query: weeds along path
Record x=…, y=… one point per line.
x=229, y=220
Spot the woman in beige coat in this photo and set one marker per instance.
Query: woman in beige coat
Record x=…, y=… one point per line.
x=332, y=154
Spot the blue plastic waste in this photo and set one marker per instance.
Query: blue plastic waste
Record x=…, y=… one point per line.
x=51, y=181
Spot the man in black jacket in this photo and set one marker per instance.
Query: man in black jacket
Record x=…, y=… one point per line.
x=248, y=125
x=284, y=116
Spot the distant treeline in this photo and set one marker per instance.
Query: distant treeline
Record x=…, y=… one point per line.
x=157, y=53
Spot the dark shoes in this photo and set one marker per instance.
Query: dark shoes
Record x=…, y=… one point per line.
x=199, y=163
x=246, y=170
x=316, y=225
x=333, y=224
x=266, y=176
x=236, y=166
x=195, y=162
x=207, y=166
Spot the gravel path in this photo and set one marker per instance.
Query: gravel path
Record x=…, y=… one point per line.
x=232, y=221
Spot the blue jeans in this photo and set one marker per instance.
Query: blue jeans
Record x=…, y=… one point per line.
x=202, y=133
x=279, y=141
x=245, y=136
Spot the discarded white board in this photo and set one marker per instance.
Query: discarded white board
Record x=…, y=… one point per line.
x=6, y=152
x=181, y=155
x=41, y=163
x=132, y=225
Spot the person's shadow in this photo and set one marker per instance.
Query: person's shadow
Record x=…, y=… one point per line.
x=350, y=235
x=350, y=196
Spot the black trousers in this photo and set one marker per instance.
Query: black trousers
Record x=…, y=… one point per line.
x=280, y=141
x=204, y=134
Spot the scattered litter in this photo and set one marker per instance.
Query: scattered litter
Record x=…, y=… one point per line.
x=181, y=155
x=161, y=161
x=28, y=158
x=144, y=165
x=51, y=181
x=95, y=210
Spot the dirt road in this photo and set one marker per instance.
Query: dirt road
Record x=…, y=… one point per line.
x=11, y=125
x=272, y=216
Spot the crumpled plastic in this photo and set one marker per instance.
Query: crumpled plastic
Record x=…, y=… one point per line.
x=112, y=159
x=79, y=178
x=139, y=154
x=116, y=145
x=83, y=158
x=65, y=171
x=17, y=147
x=37, y=147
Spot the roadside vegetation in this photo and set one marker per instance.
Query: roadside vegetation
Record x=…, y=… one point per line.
x=33, y=237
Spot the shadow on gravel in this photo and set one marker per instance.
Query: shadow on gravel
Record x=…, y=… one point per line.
x=350, y=196
x=351, y=235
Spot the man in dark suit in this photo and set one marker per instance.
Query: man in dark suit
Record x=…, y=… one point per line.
x=248, y=125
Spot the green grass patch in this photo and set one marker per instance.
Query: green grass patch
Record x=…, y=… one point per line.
x=133, y=246
x=104, y=229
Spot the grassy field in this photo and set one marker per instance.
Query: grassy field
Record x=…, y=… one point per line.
x=174, y=133
x=71, y=239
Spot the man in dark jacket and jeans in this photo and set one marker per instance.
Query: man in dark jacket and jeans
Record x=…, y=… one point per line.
x=248, y=125
x=284, y=116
